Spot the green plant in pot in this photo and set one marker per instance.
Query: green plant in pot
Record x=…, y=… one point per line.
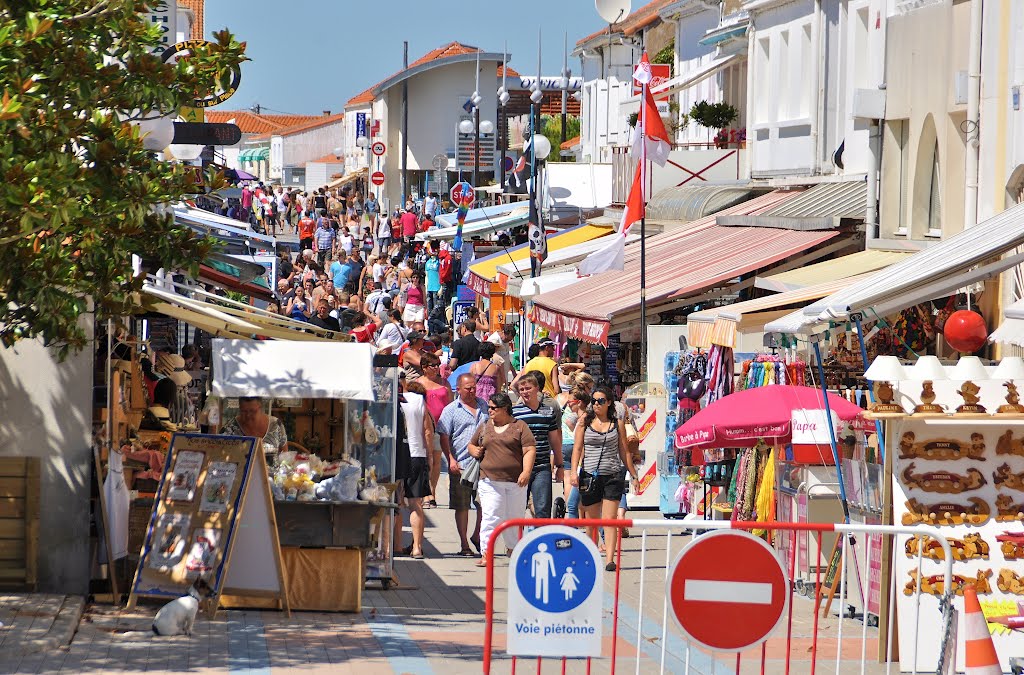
x=713, y=116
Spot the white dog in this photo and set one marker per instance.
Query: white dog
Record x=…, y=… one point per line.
x=179, y=615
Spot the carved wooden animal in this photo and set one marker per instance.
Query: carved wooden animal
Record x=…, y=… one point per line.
x=1008, y=445
x=1011, y=544
x=975, y=512
x=1005, y=478
x=971, y=546
x=935, y=583
x=942, y=448
x=1009, y=582
x=1007, y=510
x=945, y=482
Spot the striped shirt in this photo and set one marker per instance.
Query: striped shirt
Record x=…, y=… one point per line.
x=541, y=421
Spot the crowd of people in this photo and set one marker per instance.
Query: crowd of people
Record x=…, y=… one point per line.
x=507, y=435
x=507, y=446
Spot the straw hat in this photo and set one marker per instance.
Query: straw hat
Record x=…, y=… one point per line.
x=173, y=366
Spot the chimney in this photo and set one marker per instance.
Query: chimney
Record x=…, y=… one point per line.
x=327, y=113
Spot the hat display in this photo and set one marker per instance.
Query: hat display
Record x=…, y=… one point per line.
x=173, y=366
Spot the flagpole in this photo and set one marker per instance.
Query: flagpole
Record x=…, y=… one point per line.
x=643, y=235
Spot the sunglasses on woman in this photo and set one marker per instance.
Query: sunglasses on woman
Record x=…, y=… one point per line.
x=600, y=401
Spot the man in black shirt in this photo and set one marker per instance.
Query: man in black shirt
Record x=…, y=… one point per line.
x=323, y=318
x=466, y=348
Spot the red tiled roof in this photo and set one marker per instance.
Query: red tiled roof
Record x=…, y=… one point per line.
x=634, y=22
x=512, y=72
x=571, y=142
x=251, y=123
x=313, y=123
x=197, y=7
x=443, y=52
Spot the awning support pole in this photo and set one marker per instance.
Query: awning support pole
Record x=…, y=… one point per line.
x=857, y=317
x=831, y=429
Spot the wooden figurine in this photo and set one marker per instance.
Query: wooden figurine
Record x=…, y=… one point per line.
x=1012, y=405
x=971, y=406
x=927, y=406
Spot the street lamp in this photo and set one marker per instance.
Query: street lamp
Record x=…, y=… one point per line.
x=503, y=99
x=364, y=142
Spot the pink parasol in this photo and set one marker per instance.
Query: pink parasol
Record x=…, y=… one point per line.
x=771, y=413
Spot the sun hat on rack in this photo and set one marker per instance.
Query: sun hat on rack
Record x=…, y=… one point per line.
x=173, y=366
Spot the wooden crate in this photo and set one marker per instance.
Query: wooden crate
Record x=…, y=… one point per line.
x=19, y=521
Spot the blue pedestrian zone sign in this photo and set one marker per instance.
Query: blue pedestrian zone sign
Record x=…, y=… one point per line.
x=555, y=594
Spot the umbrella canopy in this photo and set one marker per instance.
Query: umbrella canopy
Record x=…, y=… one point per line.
x=771, y=413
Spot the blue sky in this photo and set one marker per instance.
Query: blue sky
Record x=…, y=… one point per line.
x=313, y=55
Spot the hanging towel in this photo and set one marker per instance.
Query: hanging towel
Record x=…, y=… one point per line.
x=115, y=493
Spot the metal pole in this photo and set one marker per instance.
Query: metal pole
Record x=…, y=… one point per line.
x=565, y=81
x=405, y=125
x=502, y=144
x=831, y=429
x=476, y=147
x=857, y=318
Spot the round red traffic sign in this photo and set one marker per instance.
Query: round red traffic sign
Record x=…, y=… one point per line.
x=378, y=148
x=728, y=591
x=462, y=193
x=377, y=178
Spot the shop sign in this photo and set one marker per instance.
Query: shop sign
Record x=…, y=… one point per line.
x=660, y=74
x=479, y=285
x=810, y=427
x=360, y=125
x=555, y=595
x=724, y=575
x=464, y=293
x=647, y=479
x=182, y=50
x=460, y=311
x=547, y=318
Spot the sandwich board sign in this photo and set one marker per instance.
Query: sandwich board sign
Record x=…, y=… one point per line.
x=554, y=594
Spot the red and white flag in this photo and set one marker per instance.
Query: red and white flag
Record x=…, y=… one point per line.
x=611, y=256
x=642, y=72
x=650, y=138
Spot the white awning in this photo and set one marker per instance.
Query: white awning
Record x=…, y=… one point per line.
x=544, y=283
x=478, y=229
x=691, y=77
x=938, y=270
x=1011, y=330
x=216, y=222
x=334, y=370
x=560, y=257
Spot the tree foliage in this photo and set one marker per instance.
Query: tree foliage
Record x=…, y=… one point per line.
x=78, y=192
x=552, y=126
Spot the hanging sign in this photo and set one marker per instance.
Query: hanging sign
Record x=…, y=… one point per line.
x=182, y=50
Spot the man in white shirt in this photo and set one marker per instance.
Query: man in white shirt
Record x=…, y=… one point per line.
x=375, y=306
x=504, y=342
x=345, y=241
x=430, y=205
x=419, y=429
x=383, y=233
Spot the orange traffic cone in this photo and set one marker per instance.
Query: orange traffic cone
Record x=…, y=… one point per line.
x=979, y=653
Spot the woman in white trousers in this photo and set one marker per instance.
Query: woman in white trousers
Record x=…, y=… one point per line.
x=506, y=450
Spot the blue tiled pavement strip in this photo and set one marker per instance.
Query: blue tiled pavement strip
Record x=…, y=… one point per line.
x=403, y=654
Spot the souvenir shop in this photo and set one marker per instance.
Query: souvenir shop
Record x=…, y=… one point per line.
x=330, y=457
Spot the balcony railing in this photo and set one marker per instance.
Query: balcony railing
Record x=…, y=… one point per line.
x=688, y=164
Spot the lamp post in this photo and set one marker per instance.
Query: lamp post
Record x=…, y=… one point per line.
x=364, y=143
x=476, y=126
x=503, y=98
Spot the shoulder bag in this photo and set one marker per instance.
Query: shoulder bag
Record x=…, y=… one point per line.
x=588, y=483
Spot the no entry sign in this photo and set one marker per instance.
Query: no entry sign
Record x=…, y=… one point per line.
x=377, y=178
x=728, y=591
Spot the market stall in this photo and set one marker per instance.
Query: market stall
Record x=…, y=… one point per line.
x=333, y=488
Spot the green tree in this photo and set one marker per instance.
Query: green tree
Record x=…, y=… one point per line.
x=552, y=126
x=78, y=192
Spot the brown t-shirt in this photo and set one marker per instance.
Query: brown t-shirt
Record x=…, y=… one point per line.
x=503, y=453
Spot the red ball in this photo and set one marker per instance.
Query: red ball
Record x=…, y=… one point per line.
x=965, y=331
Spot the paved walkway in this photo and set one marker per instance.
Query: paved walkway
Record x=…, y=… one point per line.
x=433, y=623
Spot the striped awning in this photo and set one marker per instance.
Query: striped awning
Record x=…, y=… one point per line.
x=254, y=155
x=679, y=264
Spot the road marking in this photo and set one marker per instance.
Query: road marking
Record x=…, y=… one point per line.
x=744, y=592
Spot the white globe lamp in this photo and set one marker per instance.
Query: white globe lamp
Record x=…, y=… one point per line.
x=362, y=141
x=541, y=146
x=486, y=127
x=466, y=127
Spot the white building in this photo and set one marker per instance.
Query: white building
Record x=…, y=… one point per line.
x=607, y=61
x=289, y=148
x=439, y=84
